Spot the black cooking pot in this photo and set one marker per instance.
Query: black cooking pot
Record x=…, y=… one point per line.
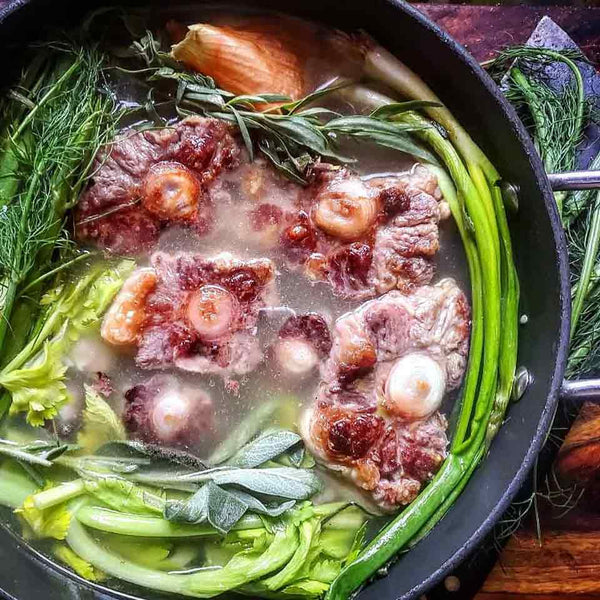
x=541, y=260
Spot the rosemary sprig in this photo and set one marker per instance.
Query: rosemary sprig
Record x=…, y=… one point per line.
x=292, y=135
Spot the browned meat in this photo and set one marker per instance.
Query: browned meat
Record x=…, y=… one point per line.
x=362, y=237
x=102, y=384
x=144, y=181
x=162, y=410
x=200, y=314
x=376, y=417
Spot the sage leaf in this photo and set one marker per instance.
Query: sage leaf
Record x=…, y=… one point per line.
x=267, y=446
x=35, y=453
x=210, y=504
x=144, y=463
x=280, y=482
x=150, y=454
x=255, y=505
x=243, y=433
x=296, y=455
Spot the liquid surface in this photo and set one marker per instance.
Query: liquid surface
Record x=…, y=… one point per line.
x=233, y=233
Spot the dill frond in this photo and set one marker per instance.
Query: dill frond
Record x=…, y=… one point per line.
x=54, y=122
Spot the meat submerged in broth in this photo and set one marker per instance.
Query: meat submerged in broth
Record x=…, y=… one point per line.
x=126, y=316
x=201, y=314
x=376, y=416
x=162, y=410
x=390, y=361
x=145, y=181
x=363, y=238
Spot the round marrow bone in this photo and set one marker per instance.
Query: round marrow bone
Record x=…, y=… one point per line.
x=163, y=410
x=211, y=311
x=415, y=387
x=296, y=357
x=346, y=209
x=173, y=411
x=172, y=192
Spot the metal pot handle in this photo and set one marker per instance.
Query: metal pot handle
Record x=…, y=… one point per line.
x=585, y=389
x=577, y=391
x=577, y=180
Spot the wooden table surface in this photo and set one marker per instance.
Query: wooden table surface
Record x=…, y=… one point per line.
x=565, y=562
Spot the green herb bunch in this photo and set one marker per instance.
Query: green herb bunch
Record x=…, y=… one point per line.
x=53, y=121
x=556, y=119
x=248, y=515
x=292, y=135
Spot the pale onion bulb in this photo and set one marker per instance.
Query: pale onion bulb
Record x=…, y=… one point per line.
x=415, y=387
x=242, y=62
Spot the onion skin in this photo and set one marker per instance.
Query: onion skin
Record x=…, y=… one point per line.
x=242, y=62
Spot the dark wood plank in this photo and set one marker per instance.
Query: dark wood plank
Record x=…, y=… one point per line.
x=508, y=596
x=566, y=562
x=483, y=30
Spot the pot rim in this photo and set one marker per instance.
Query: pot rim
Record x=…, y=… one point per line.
x=562, y=343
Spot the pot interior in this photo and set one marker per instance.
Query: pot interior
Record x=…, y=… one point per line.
x=538, y=244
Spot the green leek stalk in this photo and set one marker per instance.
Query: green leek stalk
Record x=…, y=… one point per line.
x=477, y=207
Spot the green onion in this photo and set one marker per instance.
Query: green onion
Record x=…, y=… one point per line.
x=475, y=201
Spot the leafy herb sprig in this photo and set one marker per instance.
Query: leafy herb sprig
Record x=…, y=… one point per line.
x=292, y=135
x=53, y=121
x=556, y=119
x=253, y=480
